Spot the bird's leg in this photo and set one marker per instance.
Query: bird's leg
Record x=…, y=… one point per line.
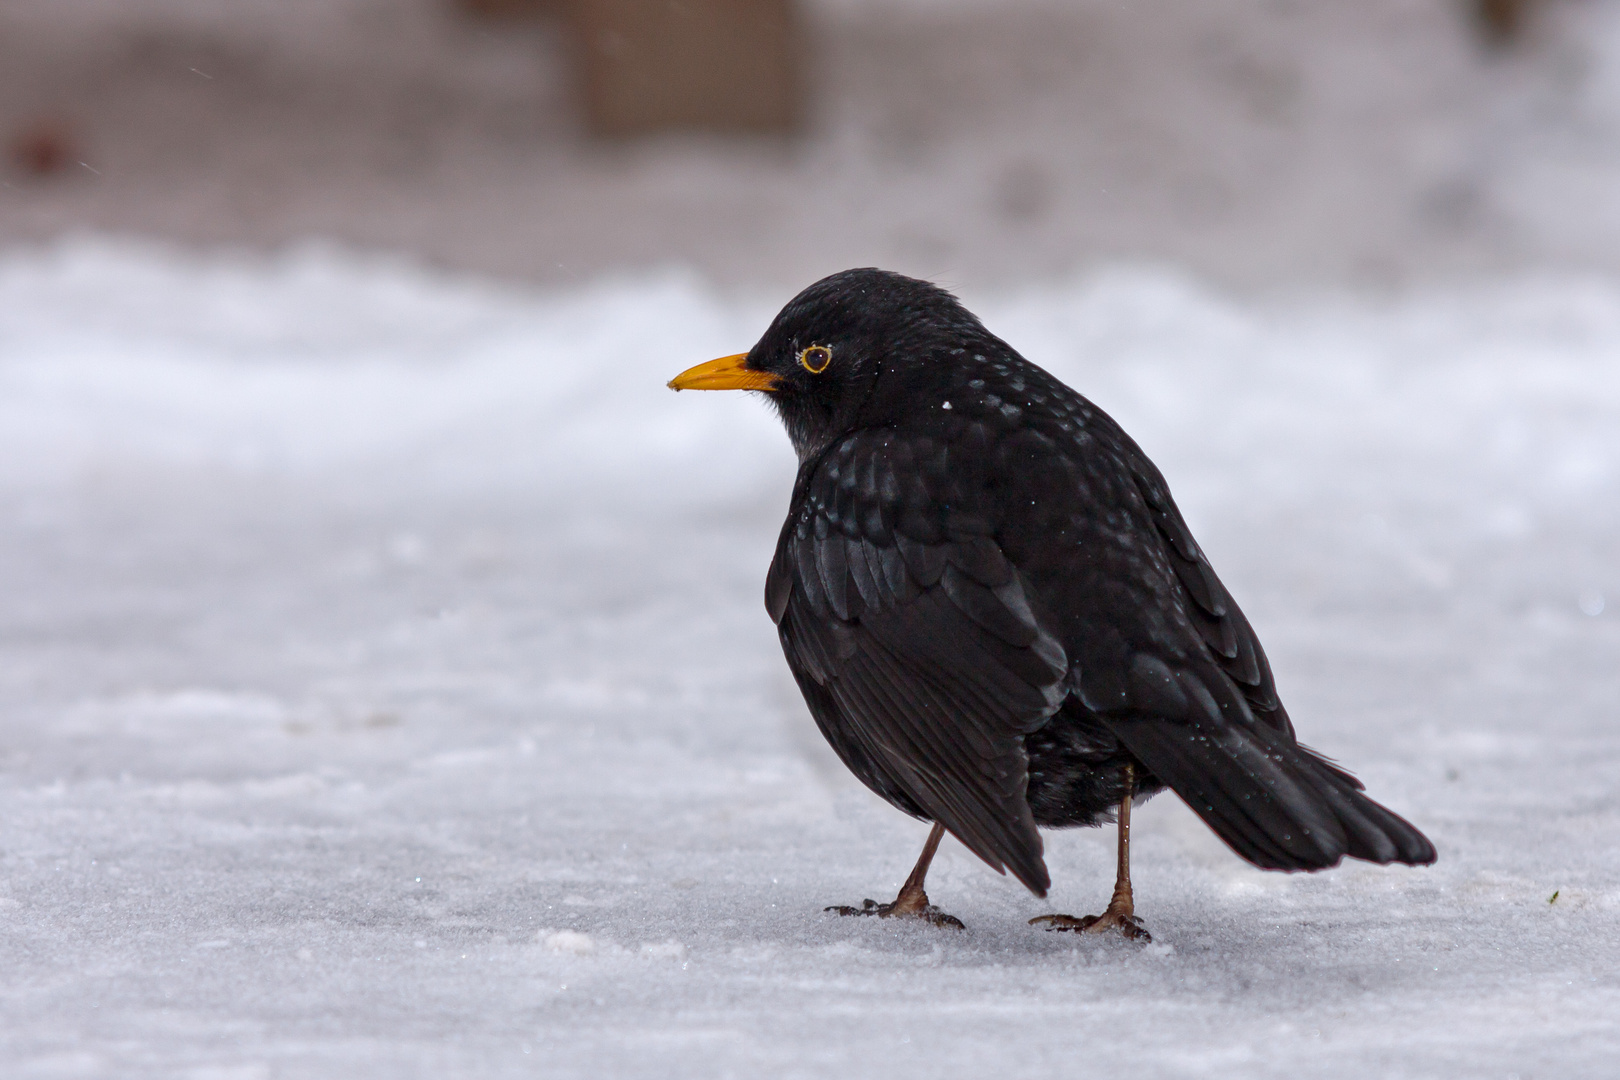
x=912, y=902
x=1121, y=912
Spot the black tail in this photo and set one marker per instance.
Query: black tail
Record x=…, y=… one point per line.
x=1277, y=804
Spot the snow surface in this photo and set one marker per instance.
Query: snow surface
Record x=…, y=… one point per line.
x=386, y=691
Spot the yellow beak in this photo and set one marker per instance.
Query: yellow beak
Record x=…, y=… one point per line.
x=726, y=373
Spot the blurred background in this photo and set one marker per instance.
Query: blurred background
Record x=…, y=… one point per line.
x=983, y=142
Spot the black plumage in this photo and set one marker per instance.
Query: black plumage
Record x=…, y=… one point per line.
x=995, y=611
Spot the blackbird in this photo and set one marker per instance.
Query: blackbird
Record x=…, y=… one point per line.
x=997, y=615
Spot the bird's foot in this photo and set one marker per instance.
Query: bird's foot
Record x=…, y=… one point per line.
x=1117, y=919
x=905, y=906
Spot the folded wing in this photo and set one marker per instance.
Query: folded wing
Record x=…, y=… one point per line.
x=921, y=659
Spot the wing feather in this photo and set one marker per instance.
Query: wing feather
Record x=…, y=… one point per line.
x=925, y=661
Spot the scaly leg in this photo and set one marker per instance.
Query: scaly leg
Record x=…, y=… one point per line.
x=912, y=901
x=1121, y=912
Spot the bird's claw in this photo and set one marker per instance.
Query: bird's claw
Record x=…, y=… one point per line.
x=897, y=910
x=1128, y=926
x=868, y=907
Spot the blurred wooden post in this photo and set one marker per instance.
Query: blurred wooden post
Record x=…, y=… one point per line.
x=513, y=10
x=1501, y=22
x=715, y=65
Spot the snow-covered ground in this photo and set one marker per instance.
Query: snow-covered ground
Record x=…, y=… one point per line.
x=385, y=690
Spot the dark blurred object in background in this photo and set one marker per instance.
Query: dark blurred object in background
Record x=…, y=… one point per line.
x=716, y=65
x=1501, y=22
x=42, y=148
x=513, y=9
x=646, y=66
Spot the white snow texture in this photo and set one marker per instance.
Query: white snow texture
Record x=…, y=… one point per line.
x=385, y=690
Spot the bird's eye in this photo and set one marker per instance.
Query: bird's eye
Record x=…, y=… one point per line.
x=815, y=359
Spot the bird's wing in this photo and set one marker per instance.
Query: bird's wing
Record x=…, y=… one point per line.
x=1226, y=633
x=1173, y=668
x=914, y=640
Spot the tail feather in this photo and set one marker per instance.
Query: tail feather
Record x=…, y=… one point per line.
x=1376, y=833
x=1277, y=805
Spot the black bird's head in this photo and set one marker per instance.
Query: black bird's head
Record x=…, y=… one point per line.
x=853, y=350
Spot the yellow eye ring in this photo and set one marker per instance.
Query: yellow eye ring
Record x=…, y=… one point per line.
x=815, y=359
